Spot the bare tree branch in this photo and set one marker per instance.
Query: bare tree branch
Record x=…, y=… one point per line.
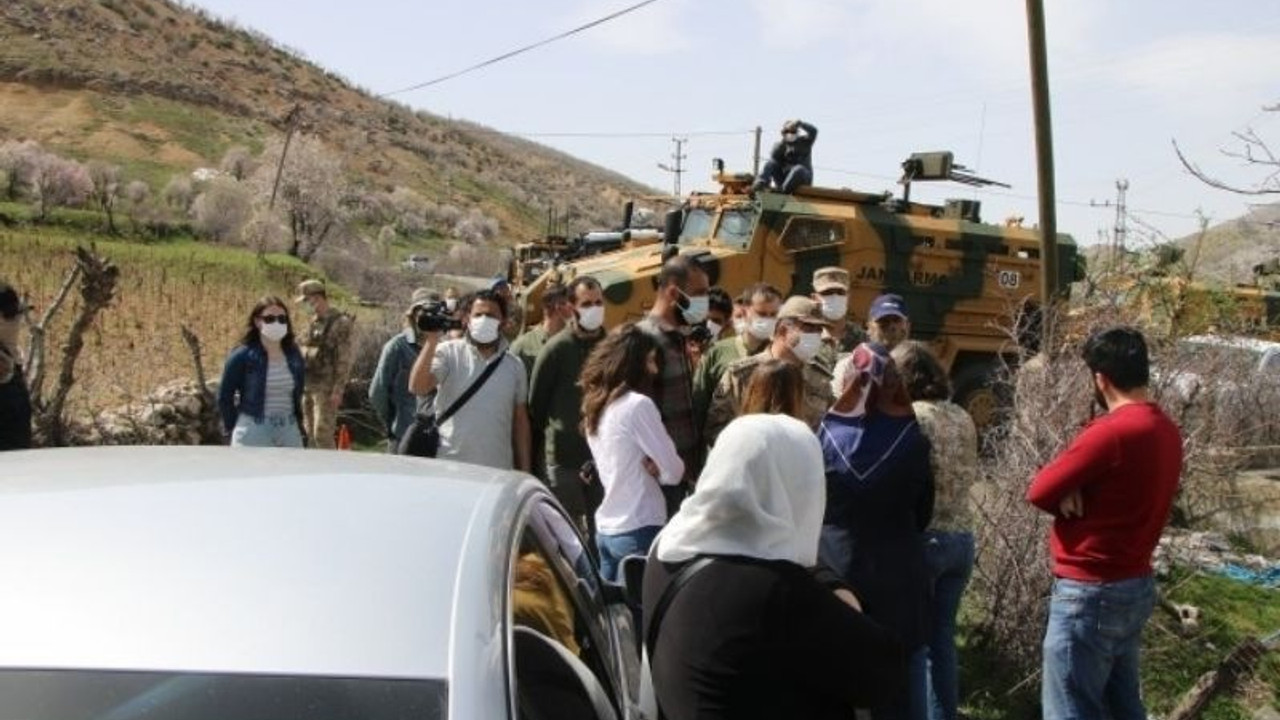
x=37, y=332
x=1219, y=184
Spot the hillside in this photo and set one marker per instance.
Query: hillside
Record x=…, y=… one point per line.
x=1229, y=250
x=159, y=88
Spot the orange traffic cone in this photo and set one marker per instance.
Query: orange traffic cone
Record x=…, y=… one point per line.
x=344, y=437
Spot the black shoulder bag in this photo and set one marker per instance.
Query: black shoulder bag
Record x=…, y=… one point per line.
x=422, y=438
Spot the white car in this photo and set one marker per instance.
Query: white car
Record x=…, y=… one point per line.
x=237, y=584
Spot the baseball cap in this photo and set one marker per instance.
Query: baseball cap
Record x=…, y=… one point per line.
x=498, y=282
x=309, y=287
x=423, y=296
x=829, y=278
x=804, y=309
x=886, y=305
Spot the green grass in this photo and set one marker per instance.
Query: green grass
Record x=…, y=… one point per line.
x=1171, y=661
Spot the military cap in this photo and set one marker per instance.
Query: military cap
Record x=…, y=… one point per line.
x=423, y=296
x=309, y=287
x=830, y=278
x=806, y=310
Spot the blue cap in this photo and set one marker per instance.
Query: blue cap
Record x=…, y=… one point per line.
x=887, y=305
x=498, y=282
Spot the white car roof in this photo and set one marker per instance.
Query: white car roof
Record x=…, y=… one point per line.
x=243, y=560
x=1235, y=341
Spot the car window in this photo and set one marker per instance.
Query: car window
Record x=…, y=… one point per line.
x=802, y=233
x=119, y=695
x=556, y=592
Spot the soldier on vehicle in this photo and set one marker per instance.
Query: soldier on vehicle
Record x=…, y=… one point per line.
x=556, y=309
x=327, y=349
x=15, y=399
x=887, y=320
x=389, y=392
x=831, y=288
x=797, y=338
x=761, y=315
x=790, y=164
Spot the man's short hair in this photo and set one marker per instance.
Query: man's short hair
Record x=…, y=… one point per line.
x=1119, y=354
x=555, y=294
x=677, y=270
x=762, y=289
x=492, y=296
x=719, y=300
x=582, y=281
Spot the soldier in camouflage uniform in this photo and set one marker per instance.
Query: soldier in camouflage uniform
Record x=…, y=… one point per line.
x=328, y=351
x=797, y=338
x=831, y=289
x=763, y=302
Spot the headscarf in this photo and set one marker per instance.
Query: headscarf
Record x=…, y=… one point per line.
x=761, y=494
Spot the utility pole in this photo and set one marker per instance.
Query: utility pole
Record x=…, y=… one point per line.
x=292, y=120
x=755, y=156
x=678, y=168
x=1121, y=229
x=1039, y=61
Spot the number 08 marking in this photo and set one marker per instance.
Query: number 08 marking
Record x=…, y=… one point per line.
x=1009, y=278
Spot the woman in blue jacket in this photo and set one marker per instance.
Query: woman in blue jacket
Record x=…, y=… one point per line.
x=260, y=397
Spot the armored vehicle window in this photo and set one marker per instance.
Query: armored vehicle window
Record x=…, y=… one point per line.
x=697, y=224
x=808, y=233
x=736, y=227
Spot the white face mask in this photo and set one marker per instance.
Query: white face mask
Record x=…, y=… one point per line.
x=591, y=318
x=761, y=328
x=274, y=332
x=714, y=328
x=808, y=346
x=697, y=310
x=484, y=329
x=739, y=326
x=451, y=304
x=834, y=307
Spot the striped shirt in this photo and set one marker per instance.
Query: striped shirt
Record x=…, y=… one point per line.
x=279, y=402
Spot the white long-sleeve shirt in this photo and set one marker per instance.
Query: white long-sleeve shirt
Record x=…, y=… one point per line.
x=631, y=430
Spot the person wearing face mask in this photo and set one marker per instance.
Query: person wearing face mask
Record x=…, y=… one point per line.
x=634, y=454
x=681, y=302
x=831, y=288
x=555, y=401
x=790, y=164
x=762, y=303
x=329, y=352
x=880, y=492
x=887, y=321
x=703, y=336
x=260, y=395
x=15, y=398
x=491, y=427
x=556, y=310
x=797, y=337
x=389, y=392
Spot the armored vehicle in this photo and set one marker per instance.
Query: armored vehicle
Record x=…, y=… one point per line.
x=965, y=282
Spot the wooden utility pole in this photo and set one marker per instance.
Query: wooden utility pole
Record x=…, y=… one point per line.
x=292, y=121
x=1044, y=164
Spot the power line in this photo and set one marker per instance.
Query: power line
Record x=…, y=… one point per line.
x=525, y=49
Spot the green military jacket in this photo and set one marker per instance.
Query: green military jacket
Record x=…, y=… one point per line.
x=835, y=348
x=328, y=349
x=727, y=400
x=721, y=355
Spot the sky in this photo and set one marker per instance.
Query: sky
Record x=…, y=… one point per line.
x=879, y=78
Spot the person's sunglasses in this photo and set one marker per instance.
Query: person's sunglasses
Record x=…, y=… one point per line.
x=270, y=319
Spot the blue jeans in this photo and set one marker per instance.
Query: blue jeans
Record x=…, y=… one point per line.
x=1091, y=649
x=949, y=558
x=784, y=179
x=268, y=432
x=615, y=547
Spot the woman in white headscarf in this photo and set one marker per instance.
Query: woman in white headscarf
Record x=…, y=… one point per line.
x=746, y=627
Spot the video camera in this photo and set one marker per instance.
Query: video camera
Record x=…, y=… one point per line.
x=435, y=317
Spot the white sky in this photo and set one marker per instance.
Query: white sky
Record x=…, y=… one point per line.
x=880, y=79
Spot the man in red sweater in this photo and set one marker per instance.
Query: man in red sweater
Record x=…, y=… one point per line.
x=1109, y=492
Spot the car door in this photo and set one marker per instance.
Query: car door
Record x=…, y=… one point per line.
x=555, y=590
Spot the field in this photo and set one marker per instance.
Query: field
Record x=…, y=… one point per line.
x=136, y=344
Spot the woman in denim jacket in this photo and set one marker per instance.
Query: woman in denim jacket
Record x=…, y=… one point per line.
x=260, y=397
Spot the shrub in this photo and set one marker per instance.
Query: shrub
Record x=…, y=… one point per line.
x=222, y=210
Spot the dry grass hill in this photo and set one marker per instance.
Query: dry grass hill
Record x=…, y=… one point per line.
x=159, y=87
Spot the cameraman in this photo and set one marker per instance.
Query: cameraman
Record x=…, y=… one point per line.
x=389, y=389
x=492, y=427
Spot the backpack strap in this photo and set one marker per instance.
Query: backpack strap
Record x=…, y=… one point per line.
x=475, y=386
x=678, y=581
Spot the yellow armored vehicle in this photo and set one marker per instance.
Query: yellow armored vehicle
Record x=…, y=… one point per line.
x=964, y=281
x=530, y=260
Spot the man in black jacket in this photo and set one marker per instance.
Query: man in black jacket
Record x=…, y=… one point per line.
x=790, y=165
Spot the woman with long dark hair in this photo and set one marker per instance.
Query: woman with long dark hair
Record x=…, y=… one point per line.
x=632, y=451
x=776, y=387
x=879, y=502
x=260, y=397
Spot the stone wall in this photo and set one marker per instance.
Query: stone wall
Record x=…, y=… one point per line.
x=175, y=414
